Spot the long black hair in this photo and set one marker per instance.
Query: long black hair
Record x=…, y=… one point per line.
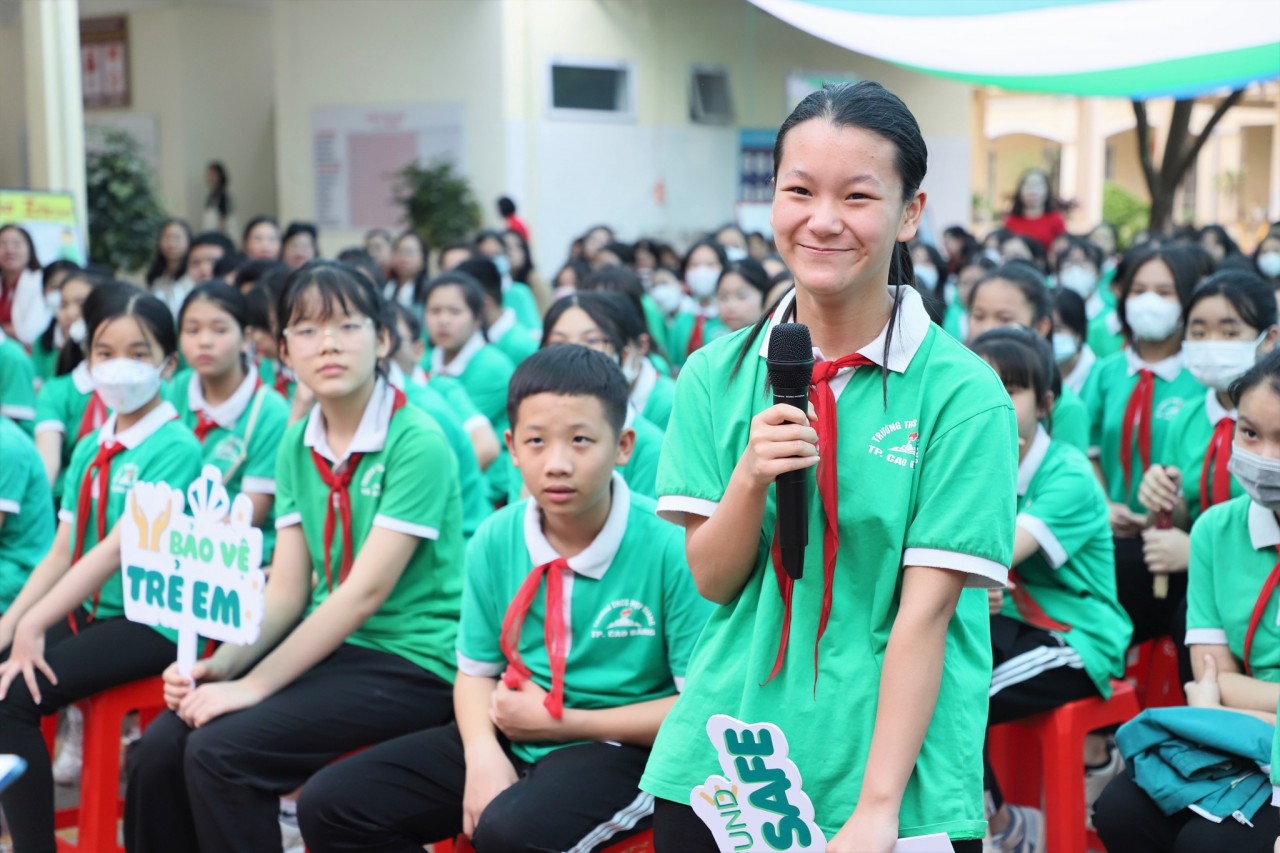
x=872, y=107
x=158, y=262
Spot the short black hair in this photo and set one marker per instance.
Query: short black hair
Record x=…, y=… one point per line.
x=337, y=287
x=1021, y=358
x=573, y=371
x=1071, y=310
x=1265, y=371
x=212, y=238
x=486, y=272
x=506, y=206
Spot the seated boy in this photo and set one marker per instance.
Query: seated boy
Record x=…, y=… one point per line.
x=578, y=618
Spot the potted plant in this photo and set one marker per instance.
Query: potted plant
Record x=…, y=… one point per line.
x=438, y=203
x=124, y=213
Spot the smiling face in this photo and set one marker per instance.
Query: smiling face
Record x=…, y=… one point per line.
x=210, y=339
x=838, y=209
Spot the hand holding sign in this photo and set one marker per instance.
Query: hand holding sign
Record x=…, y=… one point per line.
x=198, y=574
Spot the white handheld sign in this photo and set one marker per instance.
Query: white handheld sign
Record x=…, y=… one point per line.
x=199, y=574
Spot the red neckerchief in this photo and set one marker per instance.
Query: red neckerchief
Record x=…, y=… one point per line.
x=697, y=335
x=1029, y=609
x=553, y=629
x=1138, y=411
x=1268, y=589
x=824, y=410
x=6, y=301
x=339, y=503
x=205, y=424
x=1216, y=460
x=95, y=415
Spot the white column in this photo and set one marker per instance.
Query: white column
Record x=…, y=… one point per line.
x=1273, y=193
x=54, y=107
x=1092, y=162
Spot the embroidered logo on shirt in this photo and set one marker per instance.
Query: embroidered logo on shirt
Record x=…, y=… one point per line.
x=122, y=480
x=1168, y=409
x=625, y=617
x=902, y=449
x=229, y=449
x=371, y=482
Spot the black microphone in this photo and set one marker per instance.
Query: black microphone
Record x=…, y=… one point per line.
x=790, y=372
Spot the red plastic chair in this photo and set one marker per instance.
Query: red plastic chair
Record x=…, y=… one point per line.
x=1153, y=672
x=640, y=843
x=1041, y=759
x=101, y=806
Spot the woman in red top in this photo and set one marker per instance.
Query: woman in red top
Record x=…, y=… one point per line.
x=1035, y=211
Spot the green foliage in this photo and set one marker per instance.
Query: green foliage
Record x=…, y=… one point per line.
x=438, y=202
x=124, y=213
x=1128, y=213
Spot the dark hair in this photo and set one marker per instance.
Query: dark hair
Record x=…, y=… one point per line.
x=486, y=273
x=1025, y=278
x=624, y=281
x=218, y=197
x=1180, y=263
x=1265, y=370
x=1039, y=257
x=710, y=244
x=419, y=283
x=751, y=271
x=522, y=272
x=254, y=223
x=506, y=206
x=1070, y=308
x=611, y=312
x=1050, y=201
x=339, y=287
x=71, y=353
x=33, y=262
x=458, y=246
x=254, y=271
x=296, y=228
x=488, y=234
x=258, y=307
x=472, y=294
x=212, y=238
x=939, y=264
x=1229, y=246
x=622, y=251
x=113, y=299
x=226, y=297
x=872, y=107
x=1251, y=297
x=57, y=267
x=363, y=262
x=1092, y=253
x=969, y=246
x=158, y=262
x=571, y=371
x=402, y=314
x=580, y=272
x=1021, y=358
x=228, y=264
x=378, y=232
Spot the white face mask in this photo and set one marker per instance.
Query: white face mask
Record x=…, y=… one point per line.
x=1082, y=280
x=733, y=253
x=1269, y=264
x=702, y=281
x=668, y=295
x=53, y=300
x=76, y=331
x=1151, y=316
x=1259, y=476
x=126, y=384
x=1065, y=346
x=1216, y=364
x=992, y=255
x=927, y=277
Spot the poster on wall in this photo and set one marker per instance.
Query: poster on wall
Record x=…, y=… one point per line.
x=755, y=179
x=104, y=62
x=50, y=219
x=357, y=151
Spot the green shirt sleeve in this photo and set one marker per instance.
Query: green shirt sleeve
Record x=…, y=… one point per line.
x=286, y=506
x=1071, y=421
x=1062, y=516
x=406, y=505
x=479, y=651
x=1091, y=394
x=17, y=387
x=1204, y=622
x=268, y=433
x=51, y=406
x=690, y=466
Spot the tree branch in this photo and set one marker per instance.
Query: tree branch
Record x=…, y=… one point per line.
x=1144, y=146
x=1227, y=103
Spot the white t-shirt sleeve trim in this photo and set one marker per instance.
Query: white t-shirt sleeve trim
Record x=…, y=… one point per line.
x=18, y=413
x=477, y=668
x=474, y=423
x=51, y=426
x=1094, y=452
x=1049, y=543
x=406, y=527
x=288, y=520
x=9, y=507
x=983, y=573
x=258, y=485
x=674, y=508
x=67, y=515
x=679, y=680
x=1206, y=637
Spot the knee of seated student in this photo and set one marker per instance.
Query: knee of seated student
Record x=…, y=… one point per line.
x=506, y=826
x=1115, y=811
x=324, y=804
x=208, y=751
x=158, y=754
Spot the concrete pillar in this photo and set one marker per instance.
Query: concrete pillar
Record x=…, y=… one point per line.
x=1091, y=152
x=1273, y=192
x=54, y=106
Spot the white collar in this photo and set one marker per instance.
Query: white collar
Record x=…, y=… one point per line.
x=913, y=326
x=1076, y=378
x=594, y=560
x=461, y=360
x=1030, y=463
x=419, y=376
x=1215, y=410
x=226, y=413
x=395, y=375
x=1167, y=368
x=371, y=434
x=82, y=378
x=1264, y=530
x=646, y=381
x=506, y=322
x=1093, y=306
x=139, y=432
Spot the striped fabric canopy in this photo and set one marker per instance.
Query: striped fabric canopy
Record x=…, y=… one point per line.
x=1118, y=48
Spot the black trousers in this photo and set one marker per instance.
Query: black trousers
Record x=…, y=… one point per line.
x=1128, y=821
x=408, y=792
x=1152, y=617
x=678, y=829
x=104, y=654
x=217, y=788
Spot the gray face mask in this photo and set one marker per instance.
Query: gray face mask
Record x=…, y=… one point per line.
x=1259, y=476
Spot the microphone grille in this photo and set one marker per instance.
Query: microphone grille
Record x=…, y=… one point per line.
x=790, y=342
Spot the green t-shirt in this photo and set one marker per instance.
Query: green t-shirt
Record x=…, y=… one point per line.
x=1233, y=550
x=520, y=298
x=1103, y=334
x=653, y=395
x=655, y=321
x=1071, y=420
x=471, y=483
x=947, y=416
x=277, y=377
x=158, y=449
x=245, y=443
x=1073, y=575
x=1106, y=395
x=956, y=321
x=633, y=612
x=516, y=341
x=17, y=385
x=43, y=361
x=408, y=484
x=681, y=333
x=60, y=408
x=26, y=506
x=1188, y=445
x=483, y=371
